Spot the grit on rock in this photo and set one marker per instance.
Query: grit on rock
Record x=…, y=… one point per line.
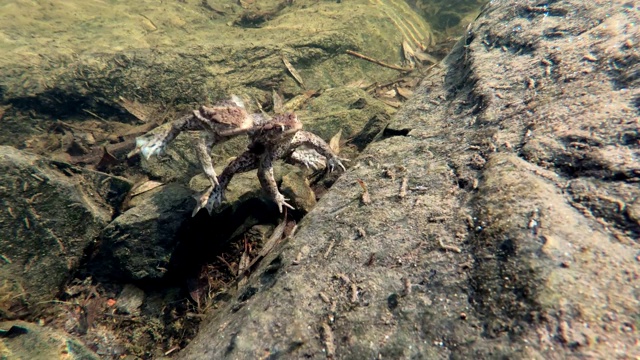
x=502, y=218
x=51, y=212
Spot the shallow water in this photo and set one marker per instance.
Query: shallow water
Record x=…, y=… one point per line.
x=81, y=79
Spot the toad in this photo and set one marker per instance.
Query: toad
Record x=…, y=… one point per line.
x=281, y=138
x=216, y=124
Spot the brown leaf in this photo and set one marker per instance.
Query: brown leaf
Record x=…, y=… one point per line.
x=293, y=71
x=196, y=290
x=359, y=84
x=278, y=102
x=334, y=143
x=3, y=109
x=409, y=54
x=424, y=57
x=106, y=161
x=136, y=109
x=404, y=92
x=144, y=187
x=389, y=93
x=365, y=198
x=393, y=103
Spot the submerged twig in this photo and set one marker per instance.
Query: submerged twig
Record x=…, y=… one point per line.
x=377, y=62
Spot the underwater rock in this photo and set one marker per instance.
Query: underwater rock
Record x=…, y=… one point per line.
x=130, y=300
x=98, y=68
x=138, y=244
x=20, y=340
x=295, y=187
x=51, y=212
x=473, y=244
x=245, y=186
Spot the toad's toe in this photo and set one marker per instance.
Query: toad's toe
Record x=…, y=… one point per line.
x=282, y=201
x=202, y=200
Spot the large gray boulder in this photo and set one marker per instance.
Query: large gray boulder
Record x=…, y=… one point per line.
x=51, y=212
x=138, y=244
x=503, y=224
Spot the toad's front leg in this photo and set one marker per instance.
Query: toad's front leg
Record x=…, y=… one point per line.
x=156, y=141
x=214, y=195
x=268, y=182
x=203, y=150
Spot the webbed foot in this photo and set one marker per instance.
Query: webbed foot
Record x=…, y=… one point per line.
x=211, y=198
x=282, y=201
x=154, y=142
x=201, y=200
x=334, y=163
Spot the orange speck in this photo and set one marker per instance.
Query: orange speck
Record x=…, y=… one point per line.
x=111, y=302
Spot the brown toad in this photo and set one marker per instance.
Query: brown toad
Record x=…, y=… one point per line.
x=216, y=124
x=280, y=138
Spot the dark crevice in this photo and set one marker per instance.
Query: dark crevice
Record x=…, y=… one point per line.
x=636, y=104
x=541, y=9
x=514, y=45
x=59, y=104
x=389, y=132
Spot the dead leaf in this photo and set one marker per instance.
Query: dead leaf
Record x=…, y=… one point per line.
x=365, y=197
x=359, y=84
x=278, y=102
x=144, y=187
x=3, y=109
x=196, y=290
x=293, y=71
x=295, y=103
x=404, y=92
x=334, y=143
x=393, y=103
x=389, y=93
x=290, y=228
x=136, y=109
x=106, y=161
x=409, y=54
x=424, y=57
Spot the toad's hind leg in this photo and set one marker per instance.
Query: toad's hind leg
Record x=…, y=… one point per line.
x=214, y=195
x=308, y=158
x=312, y=141
x=156, y=141
x=203, y=150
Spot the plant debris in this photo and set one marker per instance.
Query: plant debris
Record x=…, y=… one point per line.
x=293, y=71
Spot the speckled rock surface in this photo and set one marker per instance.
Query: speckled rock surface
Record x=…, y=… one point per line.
x=138, y=244
x=21, y=340
x=51, y=212
x=502, y=225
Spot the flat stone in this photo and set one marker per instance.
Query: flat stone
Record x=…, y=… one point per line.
x=130, y=300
